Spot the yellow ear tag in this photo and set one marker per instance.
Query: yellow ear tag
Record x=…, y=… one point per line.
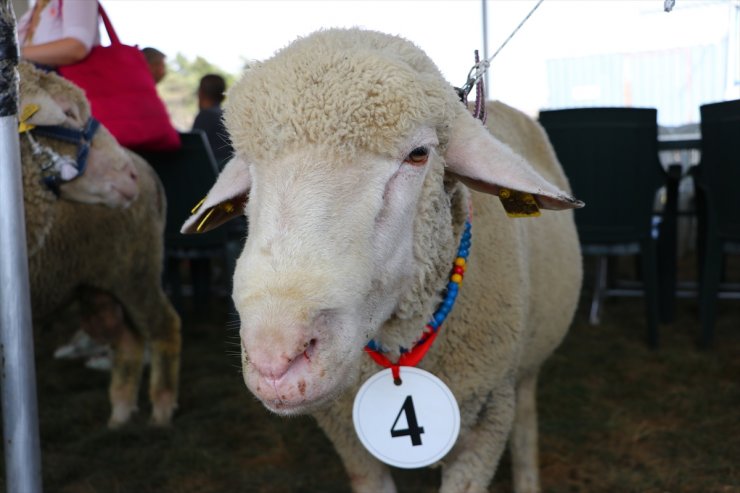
x=220, y=210
x=518, y=204
x=27, y=112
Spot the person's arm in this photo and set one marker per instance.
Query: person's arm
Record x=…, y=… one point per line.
x=79, y=33
x=80, y=21
x=64, y=51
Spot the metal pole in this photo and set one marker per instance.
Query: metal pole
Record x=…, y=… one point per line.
x=486, y=80
x=18, y=377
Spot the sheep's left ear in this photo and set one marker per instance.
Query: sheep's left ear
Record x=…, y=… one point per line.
x=226, y=199
x=484, y=163
x=42, y=109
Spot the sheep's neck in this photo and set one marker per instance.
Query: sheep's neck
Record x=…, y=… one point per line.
x=412, y=357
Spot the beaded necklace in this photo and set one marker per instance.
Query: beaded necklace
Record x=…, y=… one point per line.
x=413, y=356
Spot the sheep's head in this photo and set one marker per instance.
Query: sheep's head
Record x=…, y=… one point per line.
x=110, y=176
x=350, y=147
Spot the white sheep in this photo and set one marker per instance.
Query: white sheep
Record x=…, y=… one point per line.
x=107, y=252
x=353, y=151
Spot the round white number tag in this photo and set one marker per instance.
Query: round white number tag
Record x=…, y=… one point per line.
x=409, y=425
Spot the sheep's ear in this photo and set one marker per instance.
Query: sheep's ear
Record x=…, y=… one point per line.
x=484, y=163
x=225, y=200
x=41, y=109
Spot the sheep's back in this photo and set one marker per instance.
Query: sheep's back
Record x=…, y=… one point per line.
x=527, y=138
x=523, y=278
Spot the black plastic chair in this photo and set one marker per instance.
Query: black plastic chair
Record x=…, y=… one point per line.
x=187, y=175
x=610, y=156
x=717, y=178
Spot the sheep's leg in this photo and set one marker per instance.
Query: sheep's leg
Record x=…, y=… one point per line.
x=471, y=464
x=366, y=474
x=128, y=356
x=524, y=450
x=103, y=319
x=164, y=377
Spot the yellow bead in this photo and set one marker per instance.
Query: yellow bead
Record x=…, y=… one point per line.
x=460, y=262
x=456, y=278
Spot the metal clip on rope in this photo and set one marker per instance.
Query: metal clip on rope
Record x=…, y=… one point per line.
x=481, y=67
x=476, y=72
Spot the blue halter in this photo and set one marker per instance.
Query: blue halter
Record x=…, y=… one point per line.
x=82, y=138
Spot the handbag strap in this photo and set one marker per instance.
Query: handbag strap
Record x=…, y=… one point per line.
x=108, y=26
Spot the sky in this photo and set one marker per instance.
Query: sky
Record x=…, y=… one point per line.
x=230, y=32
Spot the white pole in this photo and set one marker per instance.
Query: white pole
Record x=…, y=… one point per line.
x=486, y=79
x=18, y=375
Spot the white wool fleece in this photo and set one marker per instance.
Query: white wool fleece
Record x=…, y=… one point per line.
x=339, y=89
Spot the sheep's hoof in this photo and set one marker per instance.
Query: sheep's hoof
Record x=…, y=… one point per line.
x=163, y=410
x=121, y=415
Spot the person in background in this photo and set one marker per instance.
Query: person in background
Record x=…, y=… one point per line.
x=211, y=93
x=155, y=59
x=56, y=32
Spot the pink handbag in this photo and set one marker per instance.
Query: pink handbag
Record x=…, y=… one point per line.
x=122, y=94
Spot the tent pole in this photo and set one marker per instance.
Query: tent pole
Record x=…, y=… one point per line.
x=484, y=16
x=20, y=408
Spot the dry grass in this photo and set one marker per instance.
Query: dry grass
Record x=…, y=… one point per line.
x=614, y=417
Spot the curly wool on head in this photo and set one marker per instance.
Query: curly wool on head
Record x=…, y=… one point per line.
x=393, y=89
x=34, y=81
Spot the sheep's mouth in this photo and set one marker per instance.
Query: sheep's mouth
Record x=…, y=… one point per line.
x=304, y=388
x=290, y=400
x=121, y=196
x=128, y=195
x=286, y=409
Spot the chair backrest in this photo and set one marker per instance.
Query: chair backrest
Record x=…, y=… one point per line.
x=610, y=156
x=719, y=169
x=187, y=175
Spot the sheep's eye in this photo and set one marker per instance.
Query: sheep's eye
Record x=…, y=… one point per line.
x=70, y=113
x=418, y=156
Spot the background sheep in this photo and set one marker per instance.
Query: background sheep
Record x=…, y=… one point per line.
x=95, y=252
x=352, y=148
x=110, y=176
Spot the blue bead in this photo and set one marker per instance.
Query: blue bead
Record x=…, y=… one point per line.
x=371, y=345
x=463, y=252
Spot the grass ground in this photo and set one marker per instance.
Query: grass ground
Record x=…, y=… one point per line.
x=614, y=417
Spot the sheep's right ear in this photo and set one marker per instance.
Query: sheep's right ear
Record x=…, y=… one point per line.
x=226, y=199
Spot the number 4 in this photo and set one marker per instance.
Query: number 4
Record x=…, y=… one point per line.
x=414, y=430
